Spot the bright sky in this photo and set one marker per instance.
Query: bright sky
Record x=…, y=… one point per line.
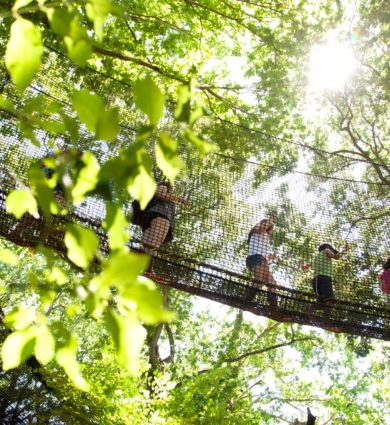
x=331, y=65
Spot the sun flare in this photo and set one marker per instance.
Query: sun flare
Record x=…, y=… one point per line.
x=331, y=65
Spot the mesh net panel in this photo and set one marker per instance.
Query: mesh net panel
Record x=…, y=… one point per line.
x=202, y=248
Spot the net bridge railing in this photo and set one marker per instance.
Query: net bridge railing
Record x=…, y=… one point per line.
x=227, y=197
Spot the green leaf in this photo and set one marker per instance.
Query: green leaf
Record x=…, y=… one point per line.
x=199, y=111
x=87, y=178
x=79, y=51
x=19, y=202
x=20, y=3
x=66, y=357
x=122, y=269
x=60, y=21
x=82, y=245
x=51, y=126
x=71, y=127
x=183, y=107
x=89, y=108
x=142, y=186
x=44, y=345
x=129, y=336
x=8, y=257
x=42, y=105
x=148, y=299
x=19, y=318
x=168, y=158
x=36, y=103
x=201, y=145
x=149, y=98
x=144, y=133
x=24, y=52
x=56, y=275
x=97, y=11
x=78, y=42
x=17, y=348
x=6, y=104
x=112, y=326
x=28, y=132
x=108, y=125
x=116, y=225
x=43, y=190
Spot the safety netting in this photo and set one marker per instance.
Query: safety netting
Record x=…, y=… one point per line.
x=227, y=196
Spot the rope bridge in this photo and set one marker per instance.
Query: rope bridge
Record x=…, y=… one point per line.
x=227, y=196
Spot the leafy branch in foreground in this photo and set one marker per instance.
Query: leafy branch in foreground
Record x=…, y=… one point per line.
x=114, y=293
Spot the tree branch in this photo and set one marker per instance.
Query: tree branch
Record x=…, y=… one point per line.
x=155, y=68
x=264, y=350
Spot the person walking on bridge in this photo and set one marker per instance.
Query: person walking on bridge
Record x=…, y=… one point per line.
x=258, y=259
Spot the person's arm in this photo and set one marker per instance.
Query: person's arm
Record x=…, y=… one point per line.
x=163, y=194
x=273, y=256
x=331, y=254
x=305, y=266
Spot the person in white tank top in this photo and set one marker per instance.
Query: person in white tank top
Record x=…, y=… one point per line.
x=258, y=257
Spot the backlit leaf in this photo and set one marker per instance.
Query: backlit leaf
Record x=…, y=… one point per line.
x=116, y=226
x=20, y=3
x=78, y=42
x=183, y=107
x=148, y=300
x=6, y=104
x=79, y=51
x=56, y=275
x=8, y=257
x=108, y=125
x=19, y=318
x=24, y=52
x=201, y=145
x=197, y=113
x=28, y=132
x=17, y=348
x=91, y=111
x=149, y=98
x=66, y=357
x=43, y=190
x=88, y=107
x=82, y=245
x=71, y=127
x=122, y=269
x=129, y=335
x=44, y=345
x=60, y=21
x=168, y=158
x=97, y=11
x=87, y=178
x=142, y=186
x=19, y=202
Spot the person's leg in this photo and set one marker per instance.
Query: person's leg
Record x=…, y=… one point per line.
x=258, y=276
x=311, y=307
x=253, y=263
x=325, y=291
x=263, y=274
x=155, y=234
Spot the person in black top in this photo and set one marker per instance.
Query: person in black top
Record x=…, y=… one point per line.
x=158, y=217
